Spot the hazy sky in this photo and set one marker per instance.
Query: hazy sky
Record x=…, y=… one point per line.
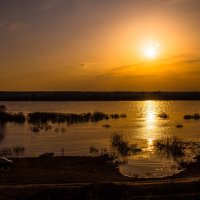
x=137, y=45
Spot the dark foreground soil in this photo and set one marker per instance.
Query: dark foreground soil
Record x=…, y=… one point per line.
x=60, y=170
x=87, y=178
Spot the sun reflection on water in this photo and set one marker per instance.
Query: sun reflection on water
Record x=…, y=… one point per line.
x=150, y=123
x=150, y=118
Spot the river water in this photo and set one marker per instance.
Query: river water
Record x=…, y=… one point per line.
x=142, y=126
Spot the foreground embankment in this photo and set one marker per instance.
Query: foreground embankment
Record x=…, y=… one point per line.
x=60, y=170
x=90, y=178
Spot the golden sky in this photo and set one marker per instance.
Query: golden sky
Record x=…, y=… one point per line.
x=100, y=45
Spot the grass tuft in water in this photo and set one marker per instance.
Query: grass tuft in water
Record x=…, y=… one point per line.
x=122, y=146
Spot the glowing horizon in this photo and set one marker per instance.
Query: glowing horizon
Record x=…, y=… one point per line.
x=100, y=46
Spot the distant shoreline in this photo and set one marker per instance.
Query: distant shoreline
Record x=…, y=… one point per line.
x=97, y=96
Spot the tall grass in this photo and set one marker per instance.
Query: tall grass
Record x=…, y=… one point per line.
x=122, y=146
x=171, y=147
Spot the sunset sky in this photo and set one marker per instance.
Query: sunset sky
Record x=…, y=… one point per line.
x=100, y=45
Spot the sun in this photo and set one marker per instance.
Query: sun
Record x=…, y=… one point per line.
x=151, y=51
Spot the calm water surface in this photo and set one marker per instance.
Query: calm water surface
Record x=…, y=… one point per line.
x=142, y=127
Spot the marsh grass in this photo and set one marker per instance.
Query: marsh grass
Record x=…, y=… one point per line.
x=69, y=118
x=163, y=116
x=195, y=116
x=122, y=146
x=171, y=147
x=12, y=117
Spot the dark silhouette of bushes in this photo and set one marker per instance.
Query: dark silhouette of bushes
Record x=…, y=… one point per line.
x=12, y=117
x=97, y=116
x=70, y=118
x=195, y=116
x=163, y=116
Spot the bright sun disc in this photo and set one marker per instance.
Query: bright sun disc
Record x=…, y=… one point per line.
x=151, y=51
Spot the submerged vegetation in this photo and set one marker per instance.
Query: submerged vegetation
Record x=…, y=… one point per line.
x=120, y=149
x=122, y=146
x=179, y=126
x=106, y=126
x=12, y=117
x=171, y=147
x=163, y=116
x=70, y=118
x=41, y=119
x=195, y=116
x=176, y=148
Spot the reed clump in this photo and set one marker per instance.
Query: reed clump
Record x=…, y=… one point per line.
x=70, y=118
x=195, y=116
x=163, y=116
x=171, y=147
x=12, y=117
x=122, y=146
